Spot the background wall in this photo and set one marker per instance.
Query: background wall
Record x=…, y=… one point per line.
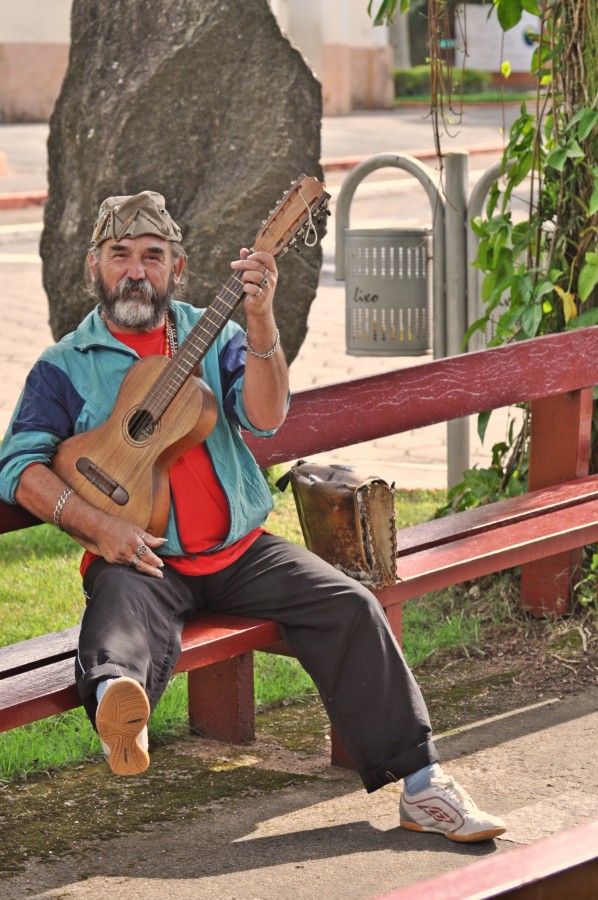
x=34, y=48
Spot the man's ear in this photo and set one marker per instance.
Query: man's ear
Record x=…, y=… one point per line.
x=92, y=262
x=178, y=268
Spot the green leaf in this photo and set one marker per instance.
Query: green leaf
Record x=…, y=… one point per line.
x=587, y=119
x=483, y=420
x=530, y=320
x=574, y=151
x=588, y=277
x=593, y=207
x=386, y=11
x=505, y=69
x=531, y=6
x=557, y=159
x=482, y=482
x=508, y=12
x=585, y=319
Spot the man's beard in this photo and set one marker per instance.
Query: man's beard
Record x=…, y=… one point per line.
x=145, y=310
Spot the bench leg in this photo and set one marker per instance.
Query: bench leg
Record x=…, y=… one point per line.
x=546, y=583
x=221, y=700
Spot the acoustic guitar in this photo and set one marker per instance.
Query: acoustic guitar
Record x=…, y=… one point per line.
x=162, y=409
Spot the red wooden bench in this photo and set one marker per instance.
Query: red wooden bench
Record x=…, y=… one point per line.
x=541, y=531
x=561, y=867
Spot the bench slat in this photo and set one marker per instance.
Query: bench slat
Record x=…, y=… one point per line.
x=13, y=518
x=495, y=515
x=364, y=409
x=37, y=694
x=491, y=551
x=561, y=866
x=48, y=687
x=46, y=648
x=220, y=637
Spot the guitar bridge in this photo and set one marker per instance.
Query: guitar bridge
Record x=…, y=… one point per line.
x=102, y=481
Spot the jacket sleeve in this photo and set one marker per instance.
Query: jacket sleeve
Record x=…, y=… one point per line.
x=44, y=416
x=232, y=373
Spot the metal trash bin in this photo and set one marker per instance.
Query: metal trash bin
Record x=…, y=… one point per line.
x=388, y=274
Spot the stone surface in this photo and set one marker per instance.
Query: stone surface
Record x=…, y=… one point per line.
x=203, y=100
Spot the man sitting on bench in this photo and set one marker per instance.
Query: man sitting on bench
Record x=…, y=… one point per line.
x=140, y=589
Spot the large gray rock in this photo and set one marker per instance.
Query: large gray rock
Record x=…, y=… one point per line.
x=204, y=101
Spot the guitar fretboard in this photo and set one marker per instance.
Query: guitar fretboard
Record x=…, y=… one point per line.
x=194, y=348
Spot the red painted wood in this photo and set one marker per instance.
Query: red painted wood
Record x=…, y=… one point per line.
x=37, y=694
x=351, y=412
x=38, y=651
x=13, y=518
x=560, y=867
x=221, y=700
x=559, y=451
x=45, y=683
x=492, y=551
x=213, y=638
x=495, y=515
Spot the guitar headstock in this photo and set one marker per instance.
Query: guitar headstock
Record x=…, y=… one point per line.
x=302, y=207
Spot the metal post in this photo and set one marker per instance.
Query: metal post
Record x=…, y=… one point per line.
x=456, y=184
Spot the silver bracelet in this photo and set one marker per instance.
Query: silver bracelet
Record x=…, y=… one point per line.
x=60, y=506
x=269, y=352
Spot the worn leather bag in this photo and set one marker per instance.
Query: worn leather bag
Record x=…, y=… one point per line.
x=347, y=519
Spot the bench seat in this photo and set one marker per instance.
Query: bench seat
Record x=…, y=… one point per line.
x=37, y=676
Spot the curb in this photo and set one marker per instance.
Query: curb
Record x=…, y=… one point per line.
x=22, y=199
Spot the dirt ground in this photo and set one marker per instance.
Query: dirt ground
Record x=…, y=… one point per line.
x=520, y=662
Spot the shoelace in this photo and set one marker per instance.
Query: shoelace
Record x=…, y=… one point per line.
x=446, y=783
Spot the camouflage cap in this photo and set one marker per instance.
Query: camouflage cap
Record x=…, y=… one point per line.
x=132, y=216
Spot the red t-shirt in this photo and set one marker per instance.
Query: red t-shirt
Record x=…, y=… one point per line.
x=203, y=517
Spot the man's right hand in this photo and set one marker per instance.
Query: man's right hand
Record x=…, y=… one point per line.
x=40, y=490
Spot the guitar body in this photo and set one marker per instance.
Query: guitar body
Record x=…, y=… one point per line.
x=127, y=476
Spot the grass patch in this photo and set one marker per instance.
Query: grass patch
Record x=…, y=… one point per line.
x=496, y=96
x=40, y=591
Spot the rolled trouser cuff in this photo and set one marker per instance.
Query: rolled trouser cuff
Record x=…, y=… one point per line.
x=405, y=764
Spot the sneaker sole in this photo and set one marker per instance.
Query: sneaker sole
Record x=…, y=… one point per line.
x=122, y=714
x=454, y=836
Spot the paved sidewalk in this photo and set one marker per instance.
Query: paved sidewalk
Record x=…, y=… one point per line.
x=318, y=836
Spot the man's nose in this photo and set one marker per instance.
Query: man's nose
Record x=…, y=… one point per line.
x=136, y=269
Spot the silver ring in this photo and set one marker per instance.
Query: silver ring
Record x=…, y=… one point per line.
x=134, y=562
x=260, y=291
x=264, y=280
x=141, y=550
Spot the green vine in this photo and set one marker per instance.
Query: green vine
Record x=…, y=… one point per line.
x=540, y=270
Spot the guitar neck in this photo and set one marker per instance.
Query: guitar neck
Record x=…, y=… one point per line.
x=194, y=348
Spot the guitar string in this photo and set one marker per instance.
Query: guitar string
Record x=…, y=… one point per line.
x=174, y=375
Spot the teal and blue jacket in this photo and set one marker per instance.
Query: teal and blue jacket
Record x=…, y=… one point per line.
x=73, y=388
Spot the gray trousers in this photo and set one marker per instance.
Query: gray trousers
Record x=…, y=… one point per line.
x=132, y=626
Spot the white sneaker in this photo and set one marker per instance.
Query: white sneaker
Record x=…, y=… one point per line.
x=446, y=808
x=121, y=720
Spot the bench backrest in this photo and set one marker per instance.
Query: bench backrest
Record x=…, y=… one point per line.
x=364, y=409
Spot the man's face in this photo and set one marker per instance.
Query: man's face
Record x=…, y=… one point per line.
x=134, y=279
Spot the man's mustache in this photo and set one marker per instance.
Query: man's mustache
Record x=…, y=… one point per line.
x=128, y=286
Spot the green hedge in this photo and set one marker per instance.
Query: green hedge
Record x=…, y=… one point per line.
x=416, y=81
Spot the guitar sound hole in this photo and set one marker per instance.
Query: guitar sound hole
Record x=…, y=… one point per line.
x=141, y=426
